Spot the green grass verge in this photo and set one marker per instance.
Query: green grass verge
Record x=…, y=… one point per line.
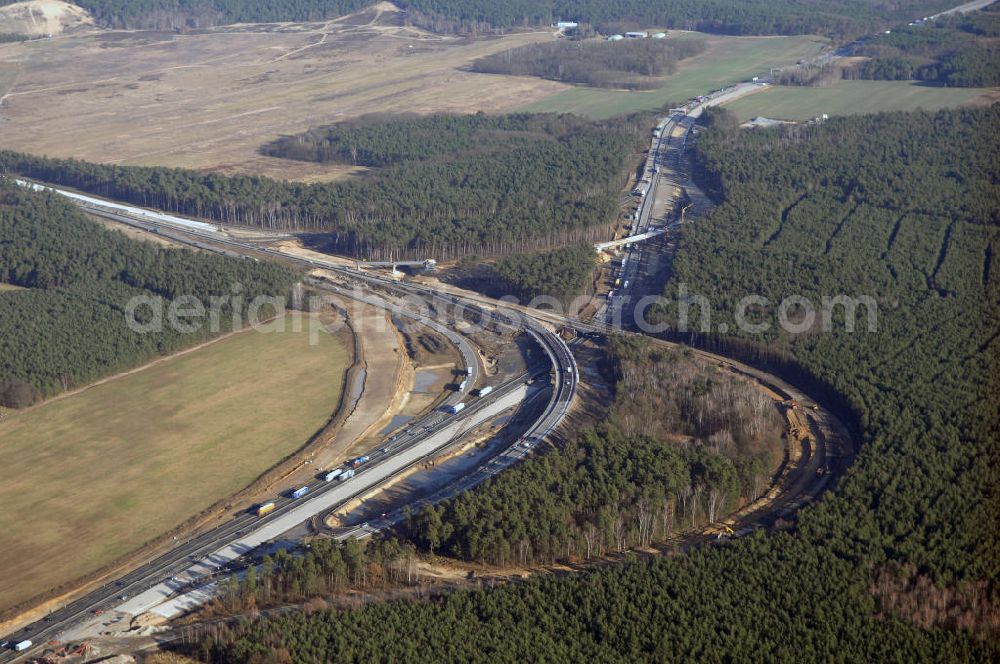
x=92, y=476
x=727, y=60
x=848, y=98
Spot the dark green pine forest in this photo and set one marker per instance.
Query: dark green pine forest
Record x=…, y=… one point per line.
x=67, y=327
x=440, y=186
x=627, y=65
x=902, y=208
x=839, y=18
x=173, y=14
x=900, y=561
x=683, y=444
x=956, y=51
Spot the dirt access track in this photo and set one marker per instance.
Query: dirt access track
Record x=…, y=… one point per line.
x=209, y=99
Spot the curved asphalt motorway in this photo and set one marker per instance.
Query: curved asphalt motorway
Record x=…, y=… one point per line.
x=209, y=553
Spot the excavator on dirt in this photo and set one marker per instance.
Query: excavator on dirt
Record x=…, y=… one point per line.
x=65, y=652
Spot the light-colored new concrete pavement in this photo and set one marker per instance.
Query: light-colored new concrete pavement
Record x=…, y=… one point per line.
x=158, y=596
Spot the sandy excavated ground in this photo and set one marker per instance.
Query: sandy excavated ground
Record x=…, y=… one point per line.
x=42, y=18
x=209, y=99
x=386, y=378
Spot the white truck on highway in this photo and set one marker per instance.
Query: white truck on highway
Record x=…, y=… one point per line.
x=457, y=408
x=483, y=391
x=22, y=646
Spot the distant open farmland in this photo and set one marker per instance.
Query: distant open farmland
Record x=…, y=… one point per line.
x=726, y=60
x=850, y=98
x=92, y=476
x=209, y=99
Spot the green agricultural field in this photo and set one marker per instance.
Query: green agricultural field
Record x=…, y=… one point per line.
x=727, y=60
x=849, y=98
x=94, y=475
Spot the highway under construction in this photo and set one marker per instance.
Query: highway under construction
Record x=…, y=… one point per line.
x=185, y=577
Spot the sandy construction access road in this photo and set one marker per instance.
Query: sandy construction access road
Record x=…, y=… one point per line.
x=209, y=99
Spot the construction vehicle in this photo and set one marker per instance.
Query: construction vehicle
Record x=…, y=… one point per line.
x=567, y=333
x=724, y=534
x=65, y=652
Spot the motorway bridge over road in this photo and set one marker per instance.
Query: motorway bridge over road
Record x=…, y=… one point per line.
x=195, y=562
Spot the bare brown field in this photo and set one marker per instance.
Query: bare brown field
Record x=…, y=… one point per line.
x=209, y=99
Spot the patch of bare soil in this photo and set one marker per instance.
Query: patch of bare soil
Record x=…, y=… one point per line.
x=985, y=99
x=385, y=377
x=42, y=18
